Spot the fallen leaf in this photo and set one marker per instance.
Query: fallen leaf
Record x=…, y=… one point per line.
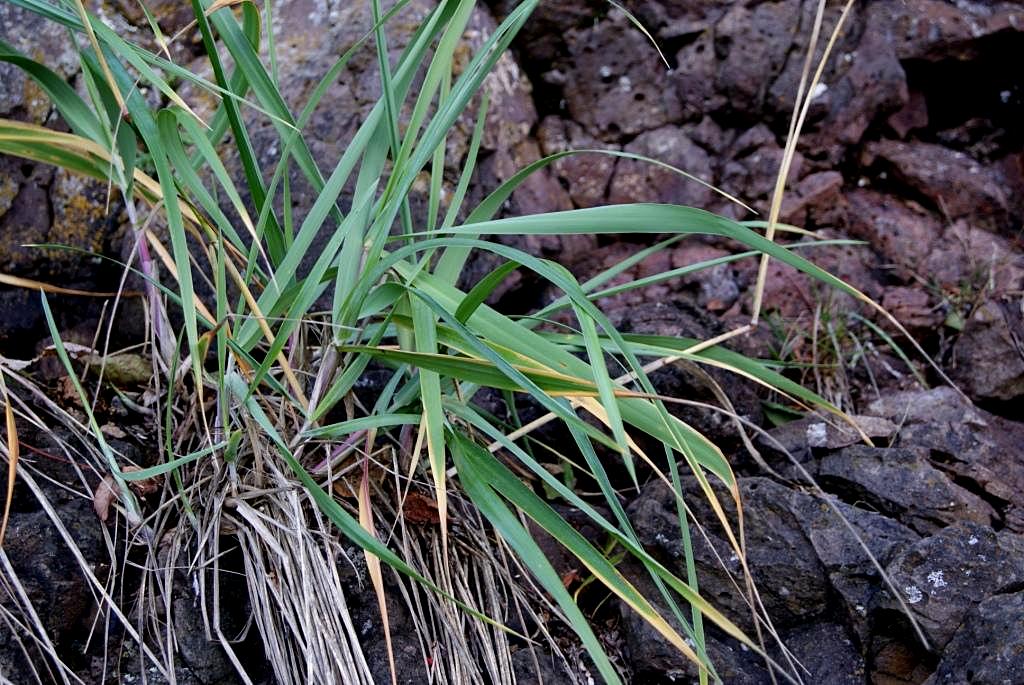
x=121, y=369
x=107, y=492
x=420, y=509
x=112, y=431
x=104, y=497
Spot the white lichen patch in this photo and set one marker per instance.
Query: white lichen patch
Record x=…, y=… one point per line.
x=817, y=435
x=914, y=594
x=937, y=580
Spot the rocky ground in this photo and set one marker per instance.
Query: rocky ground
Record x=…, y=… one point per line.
x=913, y=144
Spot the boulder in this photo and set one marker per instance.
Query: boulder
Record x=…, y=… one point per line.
x=988, y=649
x=901, y=483
x=942, y=578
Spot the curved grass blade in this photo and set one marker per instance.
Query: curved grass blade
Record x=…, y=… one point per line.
x=505, y=523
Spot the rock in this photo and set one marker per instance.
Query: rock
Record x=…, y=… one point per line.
x=901, y=231
x=791, y=581
x=895, y=662
x=786, y=533
x=585, y=176
x=675, y=20
x=977, y=447
x=911, y=117
x=717, y=288
x=943, y=577
x=988, y=357
x=864, y=82
x=198, y=659
x=816, y=201
x=619, y=83
x=678, y=318
x=695, y=80
x=654, y=659
x=826, y=432
x=787, y=292
x=637, y=181
x=933, y=30
x=751, y=45
x=42, y=40
x=971, y=263
x=851, y=572
x=913, y=308
x=988, y=649
x=751, y=174
x=538, y=668
x=901, y=483
x=827, y=652
x=48, y=571
x=543, y=38
x=955, y=184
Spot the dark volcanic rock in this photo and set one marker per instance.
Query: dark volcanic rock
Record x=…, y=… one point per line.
x=533, y=667
x=977, y=447
x=678, y=318
x=988, y=649
x=827, y=652
x=655, y=660
x=943, y=577
x=786, y=533
x=49, y=573
x=852, y=573
x=40, y=39
x=792, y=583
x=901, y=483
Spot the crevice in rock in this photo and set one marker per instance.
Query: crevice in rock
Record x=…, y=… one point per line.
x=945, y=463
x=974, y=105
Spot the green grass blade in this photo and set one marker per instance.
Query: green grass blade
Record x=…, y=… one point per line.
x=467, y=456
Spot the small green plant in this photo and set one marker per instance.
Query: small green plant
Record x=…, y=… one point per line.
x=257, y=392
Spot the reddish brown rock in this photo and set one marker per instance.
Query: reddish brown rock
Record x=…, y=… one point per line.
x=971, y=263
x=585, y=176
x=913, y=308
x=639, y=181
x=620, y=86
x=717, y=288
x=955, y=184
x=903, y=232
x=816, y=201
x=989, y=356
x=933, y=29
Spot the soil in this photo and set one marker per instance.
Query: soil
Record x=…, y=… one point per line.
x=913, y=144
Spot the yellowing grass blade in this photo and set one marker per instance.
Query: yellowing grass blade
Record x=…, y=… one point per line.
x=19, y=282
x=13, y=450
x=373, y=563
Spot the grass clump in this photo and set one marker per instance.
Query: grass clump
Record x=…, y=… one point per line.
x=265, y=443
